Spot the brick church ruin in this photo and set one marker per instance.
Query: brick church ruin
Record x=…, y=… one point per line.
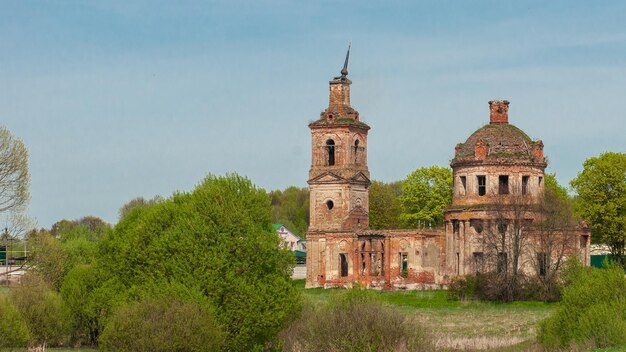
x=498, y=181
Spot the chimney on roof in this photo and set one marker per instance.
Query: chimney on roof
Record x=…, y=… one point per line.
x=499, y=111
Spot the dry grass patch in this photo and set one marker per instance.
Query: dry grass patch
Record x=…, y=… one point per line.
x=481, y=326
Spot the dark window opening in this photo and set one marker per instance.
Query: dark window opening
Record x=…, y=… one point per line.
x=344, y=264
x=525, y=189
x=479, y=259
x=540, y=181
x=330, y=204
x=502, y=228
x=503, y=184
x=404, y=264
x=463, y=185
x=502, y=262
x=356, y=149
x=455, y=226
x=482, y=185
x=542, y=261
x=330, y=145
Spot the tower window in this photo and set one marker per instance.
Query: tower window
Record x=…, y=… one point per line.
x=525, y=189
x=330, y=204
x=540, y=181
x=356, y=149
x=482, y=185
x=503, y=184
x=463, y=185
x=330, y=146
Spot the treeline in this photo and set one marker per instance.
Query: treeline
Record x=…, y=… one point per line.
x=199, y=271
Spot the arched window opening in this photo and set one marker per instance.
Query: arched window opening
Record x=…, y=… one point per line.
x=330, y=145
x=356, y=149
x=330, y=204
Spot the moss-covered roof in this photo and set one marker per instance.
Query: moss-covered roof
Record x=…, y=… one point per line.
x=503, y=140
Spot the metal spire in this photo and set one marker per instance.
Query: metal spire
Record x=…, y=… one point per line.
x=344, y=70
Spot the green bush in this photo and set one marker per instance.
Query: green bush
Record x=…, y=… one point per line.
x=13, y=328
x=162, y=324
x=43, y=310
x=592, y=312
x=353, y=321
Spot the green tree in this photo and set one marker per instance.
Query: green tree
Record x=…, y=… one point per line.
x=385, y=205
x=601, y=188
x=291, y=208
x=14, y=177
x=425, y=194
x=218, y=240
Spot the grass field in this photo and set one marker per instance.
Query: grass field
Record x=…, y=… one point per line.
x=458, y=325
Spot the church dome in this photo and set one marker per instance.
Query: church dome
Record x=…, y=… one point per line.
x=499, y=141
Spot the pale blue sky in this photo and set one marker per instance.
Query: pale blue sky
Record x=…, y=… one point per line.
x=118, y=99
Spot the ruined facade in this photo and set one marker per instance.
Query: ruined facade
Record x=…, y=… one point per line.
x=496, y=207
x=496, y=170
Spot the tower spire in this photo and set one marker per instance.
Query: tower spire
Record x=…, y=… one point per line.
x=344, y=70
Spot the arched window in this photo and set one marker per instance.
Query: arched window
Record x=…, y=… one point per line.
x=330, y=145
x=330, y=204
x=356, y=149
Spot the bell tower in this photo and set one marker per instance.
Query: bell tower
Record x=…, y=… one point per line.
x=339, y=177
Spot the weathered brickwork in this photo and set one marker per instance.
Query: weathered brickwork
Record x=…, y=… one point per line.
x=494, y=170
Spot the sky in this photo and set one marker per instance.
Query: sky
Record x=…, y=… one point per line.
x=120, y=99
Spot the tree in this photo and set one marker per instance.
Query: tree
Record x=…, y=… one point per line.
x=138, y=202
x=601, y=188
x=425, y=194
x=218, y=240
x=74, y=242
x=553, y=238
x=14, y=177
x=385, y=205
x=291, y=208
x=506, y=243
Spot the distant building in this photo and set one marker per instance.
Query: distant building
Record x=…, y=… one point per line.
x=292, y=241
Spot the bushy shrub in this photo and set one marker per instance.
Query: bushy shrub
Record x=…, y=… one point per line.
x=592, y=311
x=495, y=286
x=463, y=288
x=162, y=324
x=43, y=310
x=13, y=328
x=353, y=321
